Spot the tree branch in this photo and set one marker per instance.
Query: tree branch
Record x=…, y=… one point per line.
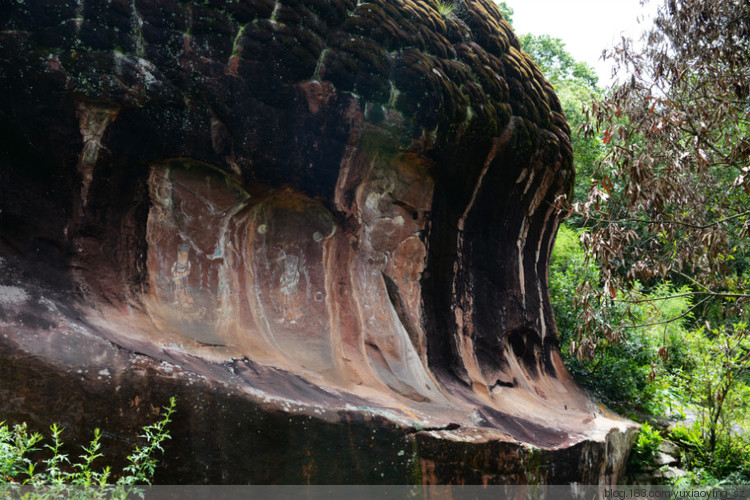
x=679, y=223
x=670, y=320
x=688, y=294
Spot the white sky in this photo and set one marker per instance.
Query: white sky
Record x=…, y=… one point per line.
x=586, y=26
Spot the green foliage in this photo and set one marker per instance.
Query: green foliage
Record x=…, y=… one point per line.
x=728, y=463
x=662, y=367
x=668, y=201
x=568, y=267
x=575, y=84
x=662, y=167
x=58, y=471
x=445, y=8
x=646, y=447
x=142, y=461
x=712, y=376
x=555, y=62
x=618, y=374
x=15, y=444
x=506, y=11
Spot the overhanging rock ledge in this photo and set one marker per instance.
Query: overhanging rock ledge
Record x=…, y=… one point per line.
x=324, y=226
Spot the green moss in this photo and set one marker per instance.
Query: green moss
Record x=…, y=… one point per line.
x=378, y=142
x=416, y=469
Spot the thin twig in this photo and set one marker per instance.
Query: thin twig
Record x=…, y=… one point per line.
x=679, y=223
x=689, y=294
x=670, y=320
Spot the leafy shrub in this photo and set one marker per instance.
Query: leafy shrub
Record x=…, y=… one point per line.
x=17, y=469
x=646, y=447
x=619, y=372
x=729, y=463
x=713, y=379
x=661, y=367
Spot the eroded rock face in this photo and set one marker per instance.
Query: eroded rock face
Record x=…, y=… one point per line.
x=324, y=225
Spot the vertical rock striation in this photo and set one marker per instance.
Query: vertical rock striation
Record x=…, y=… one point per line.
x=324, y=225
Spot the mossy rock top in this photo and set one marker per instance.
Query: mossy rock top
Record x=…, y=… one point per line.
x=440, y=71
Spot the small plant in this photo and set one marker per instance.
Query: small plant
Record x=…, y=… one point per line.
x=646, y=447
x=445, y=8
x=15, y=443
x=58, y=472
x=142, y=460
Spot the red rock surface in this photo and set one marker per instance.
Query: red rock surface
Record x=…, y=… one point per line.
x=324, y=226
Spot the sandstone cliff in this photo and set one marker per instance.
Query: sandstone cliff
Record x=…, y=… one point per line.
x=324, y=225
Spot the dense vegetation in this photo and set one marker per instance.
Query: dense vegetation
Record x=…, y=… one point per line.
x=650, y=273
